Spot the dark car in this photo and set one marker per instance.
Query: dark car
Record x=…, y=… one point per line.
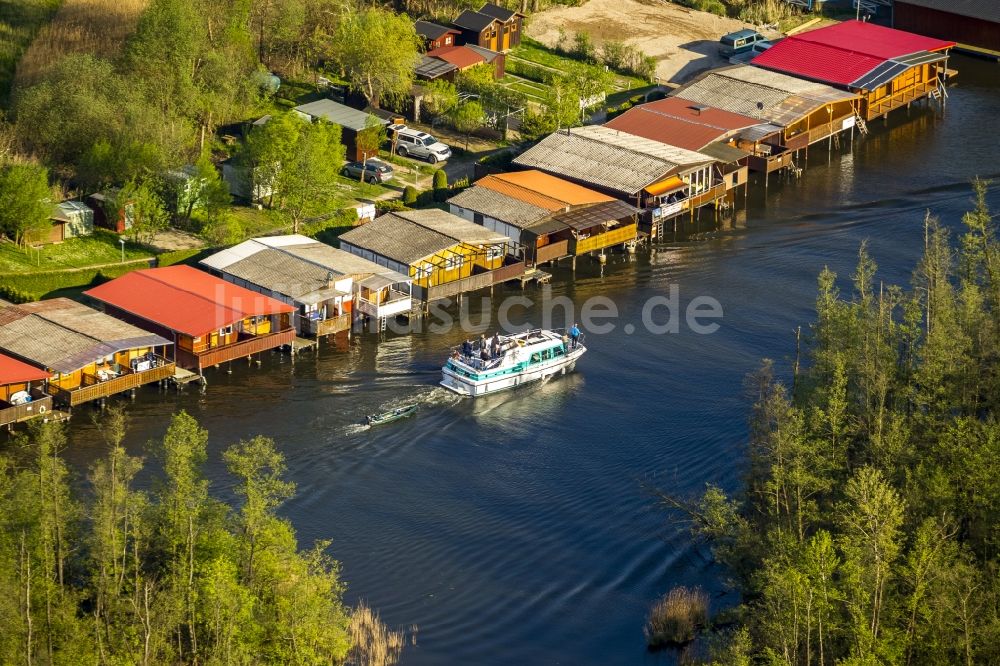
x=376, y=171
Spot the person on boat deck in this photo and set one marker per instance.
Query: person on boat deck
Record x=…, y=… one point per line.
x=467, y=347
x=495, y=345
x=484, y=354
x=574, y=334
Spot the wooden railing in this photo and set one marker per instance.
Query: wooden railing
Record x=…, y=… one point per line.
x=120, y=384
x=240, y=349
x=717, y=191
x=770, y=163
x=505, y=273
x=616, y=236
x=330, y=325
x=899, y=98
x=396, y=303
x=552, y=251
x=17, y=413
x=471, y=283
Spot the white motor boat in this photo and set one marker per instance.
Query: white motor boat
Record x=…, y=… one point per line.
x=518, y=359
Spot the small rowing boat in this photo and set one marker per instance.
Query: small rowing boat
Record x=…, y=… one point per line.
x=392, y=415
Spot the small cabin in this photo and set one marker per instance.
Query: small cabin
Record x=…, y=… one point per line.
x=511, y=23
x=70, y=219
x=109, y=213
x=436, y=36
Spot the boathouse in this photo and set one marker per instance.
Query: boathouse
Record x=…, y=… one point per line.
x=87, y=354
x=796, y=113
x=663, y=181
x=974, y=24
x=328, y=287
x=211, y=321
x=887, y=68
x=517, y=203
x=703, y=128
x=444, y=254
x=22, y=391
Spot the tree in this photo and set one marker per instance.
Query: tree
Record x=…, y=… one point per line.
x=467, y=117
x=307, y=181
x=440, y=97
x=377, y=51
x=143, y=206
x=370, y=139
x=25, y=206
x=204, y=190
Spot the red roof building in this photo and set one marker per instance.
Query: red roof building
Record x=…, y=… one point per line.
x=470, y=55
x=19, y=399
x=681, y=123
x=210, y=320
x=891, y=68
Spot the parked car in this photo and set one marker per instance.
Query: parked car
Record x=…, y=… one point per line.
x=376, y=171
x=737, y=42
x=414, y=143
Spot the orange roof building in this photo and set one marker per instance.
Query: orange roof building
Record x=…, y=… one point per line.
x=543, y=190
x=210, y=320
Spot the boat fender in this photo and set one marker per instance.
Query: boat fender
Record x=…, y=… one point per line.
x=520, y=343
x=41, y=409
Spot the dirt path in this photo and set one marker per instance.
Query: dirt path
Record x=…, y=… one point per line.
x=683, y=41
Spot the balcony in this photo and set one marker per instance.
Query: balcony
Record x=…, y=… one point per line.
x=556, y=250
x=770, y=163
x=95, y=387
x=600, y=241
x=710, y=195
x=242, y=349
x=40, y=405
x=899, y=98
x=328, y=326
x=396, y=303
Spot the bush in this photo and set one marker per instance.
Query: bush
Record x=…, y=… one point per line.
x=389, y=206
x=440, y=179
x=190, y=257
x=409, y=195
x=677, y=617
x=583, y=48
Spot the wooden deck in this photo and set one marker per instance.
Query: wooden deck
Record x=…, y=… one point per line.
x=616, y=236
x=242, y=349
x=329, y=326
x=111, y=387
x=39, y=406
x=552, y=251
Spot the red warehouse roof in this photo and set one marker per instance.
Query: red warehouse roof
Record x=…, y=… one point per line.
x=184, y=299
x=459, y=56
x=680, y=122
x=843, y=53
x=13, y=371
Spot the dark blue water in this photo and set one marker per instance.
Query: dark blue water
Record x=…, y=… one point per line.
x=519, y=528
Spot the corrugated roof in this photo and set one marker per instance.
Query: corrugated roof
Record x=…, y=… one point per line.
x=13, y=371
x=459, y=56
x=432, y=68
x=562, y=192
x=675, y=154
x=64, y=336
x=489, y=55
x=680, y=122
x=452, y=226
x=472, y=20
x=499, y=206
x=761, y=93
x=337, y=114
x=397, y=239
x=184, y=299
x=986, y=10
x=591, y=216
x=844, y=53
x=430, y=30
x=282, y=273
x=725, y=153
x=622, y=165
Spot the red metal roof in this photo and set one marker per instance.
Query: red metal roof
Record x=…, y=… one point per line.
x=184, y=299
x=844, y=52
x=680, y=122
x=13, y=371
x=459, y=56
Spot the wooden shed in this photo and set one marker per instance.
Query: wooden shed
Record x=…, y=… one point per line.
x=351, y=121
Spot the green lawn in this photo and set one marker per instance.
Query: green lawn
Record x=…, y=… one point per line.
x=528, y=89
x=20, y=20
x=539, y=54
x=101, y=248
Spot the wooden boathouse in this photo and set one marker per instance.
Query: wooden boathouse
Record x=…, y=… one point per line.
x=86, y=354
x=794, y=113
x=887, y=68
x=442, y=253
x=662, y=181
x=211, y=321
x=323, y=283
x=22, y=391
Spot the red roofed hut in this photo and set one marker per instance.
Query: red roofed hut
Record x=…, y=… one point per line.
x=210, y=320
x=888, y=68
x=21, y=394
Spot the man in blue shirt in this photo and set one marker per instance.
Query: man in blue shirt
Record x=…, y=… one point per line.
x=574, y=335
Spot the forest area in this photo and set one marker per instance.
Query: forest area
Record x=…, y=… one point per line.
x=100, y=571
x=868, y=529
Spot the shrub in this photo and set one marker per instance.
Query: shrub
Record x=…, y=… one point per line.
x=583, y=49
x=440, y=179
x=409, y=195
x=384, y=206
x=677, y=617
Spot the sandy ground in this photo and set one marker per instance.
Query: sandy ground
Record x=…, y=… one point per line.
x=683, y=41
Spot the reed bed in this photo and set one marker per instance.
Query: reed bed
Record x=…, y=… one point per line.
x=97, y=27
x=677, y=617
x=373, y=643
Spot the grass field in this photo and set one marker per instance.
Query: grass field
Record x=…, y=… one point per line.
x=101, y=248
x=20, y=20
x=539, y=54
x=97, y=27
